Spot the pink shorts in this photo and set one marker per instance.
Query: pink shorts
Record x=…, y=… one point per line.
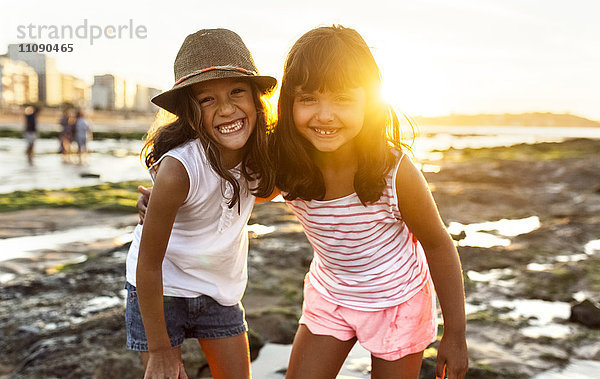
x=389, y=334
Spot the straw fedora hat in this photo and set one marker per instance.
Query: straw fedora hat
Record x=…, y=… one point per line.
x=211, y=54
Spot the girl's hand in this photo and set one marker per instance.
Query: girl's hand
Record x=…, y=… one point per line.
x=165, y=364
x=452, y=358
x=142, y=202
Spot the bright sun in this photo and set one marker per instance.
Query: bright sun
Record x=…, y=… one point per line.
x=411, y=86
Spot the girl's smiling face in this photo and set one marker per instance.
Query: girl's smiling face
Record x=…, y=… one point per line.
x=328, y=119
x=228, y=111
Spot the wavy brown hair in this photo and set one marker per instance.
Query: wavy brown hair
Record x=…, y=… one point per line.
x=187, y=125
x=333, y=59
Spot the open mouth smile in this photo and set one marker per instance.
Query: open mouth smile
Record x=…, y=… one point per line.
x=325, y=132
x=231, y=127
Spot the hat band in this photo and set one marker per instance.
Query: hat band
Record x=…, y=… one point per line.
x=223, y=68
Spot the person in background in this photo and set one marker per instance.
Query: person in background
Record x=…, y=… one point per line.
x=66, y=134
x=30, y=133
x=83, y=133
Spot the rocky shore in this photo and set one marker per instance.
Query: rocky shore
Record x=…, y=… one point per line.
x=68, y=321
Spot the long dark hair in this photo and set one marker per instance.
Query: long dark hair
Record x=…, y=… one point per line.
x=187, y=126
x=332, y=59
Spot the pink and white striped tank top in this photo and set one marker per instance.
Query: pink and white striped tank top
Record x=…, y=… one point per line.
x=365, y=258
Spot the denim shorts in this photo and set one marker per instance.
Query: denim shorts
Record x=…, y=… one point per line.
x=186, y=317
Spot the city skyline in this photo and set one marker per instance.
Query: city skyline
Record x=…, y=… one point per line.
x=28, y=77
x=436, y=57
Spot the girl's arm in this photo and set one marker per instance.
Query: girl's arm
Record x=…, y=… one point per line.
x=420, y=213
x=170, y=190
x=142, y=201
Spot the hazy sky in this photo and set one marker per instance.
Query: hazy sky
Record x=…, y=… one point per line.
x=437, y=57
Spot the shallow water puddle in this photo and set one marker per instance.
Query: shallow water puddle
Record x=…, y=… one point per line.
x=570, y=258
x=31, y=246
x=476, y=236
x=503, y=277
x=577, y=369
x=6, y=277
x=259, y=229
x=433, y=168
x=48, y=252
x=542, y=311
x=101, y=303
x=540, y=314
x=474, y=308
x=592, y=247
x=549, y=330
x=357, y=365
x=273, y=359
x=582, y=295
x=589, y=249
x=540, y=266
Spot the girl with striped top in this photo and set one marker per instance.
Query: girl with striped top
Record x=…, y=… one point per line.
x=377, y=236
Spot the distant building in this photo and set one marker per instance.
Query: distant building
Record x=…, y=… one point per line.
x=74, y=91
x=151, y=93
x=142, y=98
x=18, y=83
x=49, y=80
x=112, y=93
x=54, y=88
x=108, y=92
x=130, y=94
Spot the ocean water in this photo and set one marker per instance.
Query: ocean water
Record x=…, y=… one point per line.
x=109, y=161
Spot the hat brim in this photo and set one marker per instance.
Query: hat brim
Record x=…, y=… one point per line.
x=168, y=99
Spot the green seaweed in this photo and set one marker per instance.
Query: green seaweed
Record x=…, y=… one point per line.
x=113, y=197
x=98, y=135
x=575, y=148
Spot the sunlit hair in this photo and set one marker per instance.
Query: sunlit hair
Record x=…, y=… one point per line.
x=169, y=131
x=334, y=59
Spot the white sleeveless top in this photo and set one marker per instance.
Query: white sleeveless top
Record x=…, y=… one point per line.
x=365, y=258
x=208, y=249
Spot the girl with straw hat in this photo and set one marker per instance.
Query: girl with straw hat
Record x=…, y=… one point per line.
x=187, y=264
